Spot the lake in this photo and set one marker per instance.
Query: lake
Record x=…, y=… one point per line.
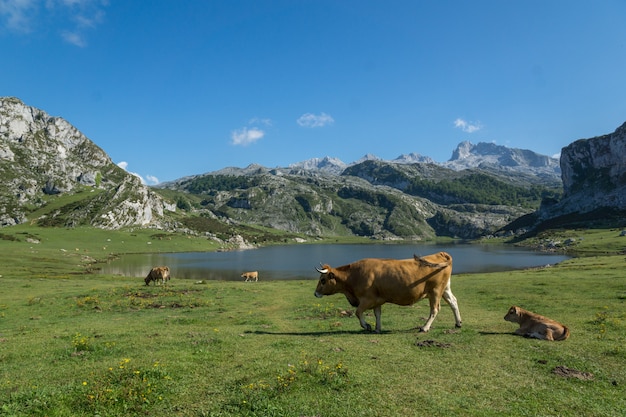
x=299, y=261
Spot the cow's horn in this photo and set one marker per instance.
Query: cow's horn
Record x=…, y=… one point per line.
x=322, y=271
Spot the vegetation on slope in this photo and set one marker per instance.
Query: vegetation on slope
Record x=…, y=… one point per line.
x=445, y=186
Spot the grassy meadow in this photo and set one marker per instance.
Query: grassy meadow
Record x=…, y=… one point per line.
x=76, y=343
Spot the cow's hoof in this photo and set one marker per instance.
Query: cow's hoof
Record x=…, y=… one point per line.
x=422, y=330
x=458, y=326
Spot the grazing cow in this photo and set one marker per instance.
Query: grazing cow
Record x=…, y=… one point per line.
x=535, y=326
x=158, y=274
x=249, y=276
x=370, y=283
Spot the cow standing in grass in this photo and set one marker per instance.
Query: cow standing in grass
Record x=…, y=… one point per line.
x=158, y=274
x=249, y=276
x=370, y=283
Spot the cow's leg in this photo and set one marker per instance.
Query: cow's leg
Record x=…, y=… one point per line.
x=434, y=309
x=549, y=334
x=359, y=313
x=377, y=311
x=451, y=299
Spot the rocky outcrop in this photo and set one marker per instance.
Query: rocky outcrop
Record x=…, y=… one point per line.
x=42, y=156
x=132, y=204
x=593, y=174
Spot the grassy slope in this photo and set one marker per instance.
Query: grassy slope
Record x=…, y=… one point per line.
x=73, y=343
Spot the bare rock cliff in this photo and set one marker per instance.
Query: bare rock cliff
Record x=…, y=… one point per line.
x=594, y=175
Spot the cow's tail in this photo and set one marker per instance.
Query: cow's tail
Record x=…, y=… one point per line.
x=422, y=261
x=565, y=334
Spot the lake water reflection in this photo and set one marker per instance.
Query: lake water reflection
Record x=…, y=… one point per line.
x=299, y=261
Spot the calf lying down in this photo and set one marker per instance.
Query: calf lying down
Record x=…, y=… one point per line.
x=535, y=326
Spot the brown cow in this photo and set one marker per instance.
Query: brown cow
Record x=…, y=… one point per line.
x=535, y=326
x=370, y=283
x=249, y=276
x=158, y=273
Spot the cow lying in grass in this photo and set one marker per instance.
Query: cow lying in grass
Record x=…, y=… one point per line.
x=370, y=283
x=158, y=274
x=249, y=276
x=535, y=326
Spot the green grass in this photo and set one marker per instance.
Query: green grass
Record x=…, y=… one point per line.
x=80, y=344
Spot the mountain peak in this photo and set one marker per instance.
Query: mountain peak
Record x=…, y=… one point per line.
x=413, y=158
x=488, y=154
x=325, y=164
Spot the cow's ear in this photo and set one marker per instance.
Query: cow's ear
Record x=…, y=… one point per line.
x=331, y=276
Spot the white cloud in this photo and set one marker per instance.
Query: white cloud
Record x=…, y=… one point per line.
x=149, y=180
x=245, y=136
x=15, y=14
x=74, y=38
x=260, y=121
x=73, y=17
x=468, y=127
x=152, y=180
x=315, y=120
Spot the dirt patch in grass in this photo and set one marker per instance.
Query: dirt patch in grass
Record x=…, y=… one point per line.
x=432, y=343
x=143, y=294
x=165, y=299
x=566, y=372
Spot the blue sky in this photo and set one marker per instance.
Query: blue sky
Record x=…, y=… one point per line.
x=176, y=88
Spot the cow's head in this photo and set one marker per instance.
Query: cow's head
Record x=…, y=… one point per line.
x=513, y=314
x=327, y=284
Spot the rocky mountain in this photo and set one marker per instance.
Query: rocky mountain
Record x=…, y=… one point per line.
x=500, y=159
x=43, y=156
x=594, y=178
x=325, y=164
x=413, y=158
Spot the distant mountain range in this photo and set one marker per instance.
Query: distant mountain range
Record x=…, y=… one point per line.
x=466, y=155
x=485, y=156
x=481, y=189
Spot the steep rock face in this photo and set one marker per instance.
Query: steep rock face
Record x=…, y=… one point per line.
x=42, y=155
x=593, y=174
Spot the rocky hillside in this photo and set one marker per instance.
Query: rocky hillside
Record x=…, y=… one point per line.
x=42, y=157
x=378, y=199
